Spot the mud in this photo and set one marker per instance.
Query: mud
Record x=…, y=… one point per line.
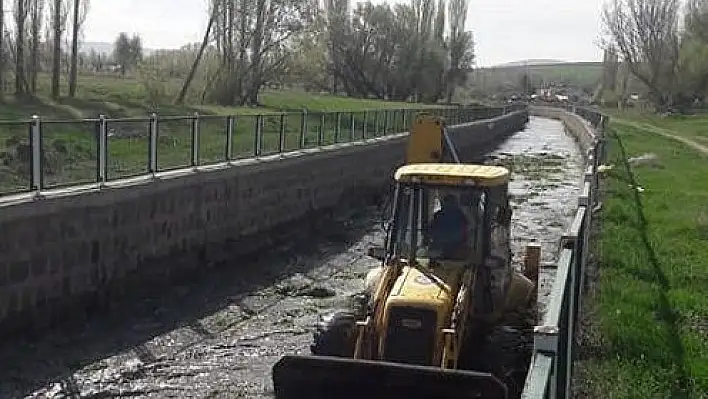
x=547, y=169
x=218, y=336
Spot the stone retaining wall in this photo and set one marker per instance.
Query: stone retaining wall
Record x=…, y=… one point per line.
x=574, y=125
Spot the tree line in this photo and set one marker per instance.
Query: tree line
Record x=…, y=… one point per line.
x=417, y=50
x=663, y=44
x=35, y=43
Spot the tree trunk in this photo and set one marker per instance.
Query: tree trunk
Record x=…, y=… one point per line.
x=34, y=51
x=73, y=72
x=56, y=59
x=20, y=52
x=256, y=56
x=195, y=65
x=2, y=50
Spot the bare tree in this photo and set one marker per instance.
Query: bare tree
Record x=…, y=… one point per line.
x=2, y=50
x=80, y=13
x=696, y=20
x=255, y=39
x=20, y=20
x=645, y=34
x=193, y=70
x=461, y=47
x=59, y=16
x=36, y=13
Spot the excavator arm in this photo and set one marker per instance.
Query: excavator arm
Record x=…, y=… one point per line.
x=429, y=141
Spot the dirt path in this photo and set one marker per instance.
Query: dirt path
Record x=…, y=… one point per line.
x=220, y=335
x=670, y=134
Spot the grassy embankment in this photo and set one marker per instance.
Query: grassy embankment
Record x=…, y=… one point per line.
x=650, y=320
x=70, y=148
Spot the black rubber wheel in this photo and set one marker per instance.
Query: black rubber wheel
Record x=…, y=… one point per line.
x=510, y=351
x=335, y=334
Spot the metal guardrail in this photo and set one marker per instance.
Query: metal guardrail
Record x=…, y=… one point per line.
x=38, y=154
x=551, y=371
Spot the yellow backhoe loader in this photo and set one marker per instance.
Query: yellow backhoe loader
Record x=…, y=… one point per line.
x=445, y=282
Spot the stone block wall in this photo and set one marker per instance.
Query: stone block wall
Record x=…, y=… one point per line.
x=575, y=126
x=65, y=251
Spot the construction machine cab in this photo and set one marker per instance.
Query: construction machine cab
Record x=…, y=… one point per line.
x=452, y=214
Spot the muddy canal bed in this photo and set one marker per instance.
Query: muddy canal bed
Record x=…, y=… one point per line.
x=547, y=169
x=218, y=336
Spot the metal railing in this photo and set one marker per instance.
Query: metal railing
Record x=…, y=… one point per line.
x=38, y=154
x=551, y=371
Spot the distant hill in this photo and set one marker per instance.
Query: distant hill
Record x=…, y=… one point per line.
x=529, y=62
x=508, y=76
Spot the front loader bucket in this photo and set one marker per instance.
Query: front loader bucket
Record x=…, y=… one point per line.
x=313, y=377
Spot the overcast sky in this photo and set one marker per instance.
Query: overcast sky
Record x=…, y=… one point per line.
x=505, y=30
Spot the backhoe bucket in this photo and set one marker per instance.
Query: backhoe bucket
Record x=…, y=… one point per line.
x=313, y=377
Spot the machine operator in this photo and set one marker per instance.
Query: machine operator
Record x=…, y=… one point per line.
x=448, y=230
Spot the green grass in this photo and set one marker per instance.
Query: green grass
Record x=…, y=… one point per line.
x=652, y=306
x=70, y=145
x=688, y=126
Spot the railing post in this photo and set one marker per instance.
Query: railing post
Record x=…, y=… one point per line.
x=281, y=134
x=230, y=125
x=405, y=118
x=303, y=129
x=352, y=126
x=320, y=131
x=37, y=173
x=385, y=123
x=257, y=142
x=364, y=132
x=102, y=150
x=337, y=129
x=195, y=140
x=376, y=123
x=152, y=156
x=545, y=340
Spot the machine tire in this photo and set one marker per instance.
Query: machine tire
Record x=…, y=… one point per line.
x=511, y=356
x=335, y=334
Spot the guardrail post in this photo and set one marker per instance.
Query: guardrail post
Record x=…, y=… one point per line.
x=230, y=125
x=303, y=129
x=405, y=119
x=195, y=140
x=589, y=177
x=603, y=129
x=36, y=171
x=376, y=123
x=545, y=340
x=281, y=134
x=257, y=138
x=102, y=150
x=581, y=260
x=152, y=156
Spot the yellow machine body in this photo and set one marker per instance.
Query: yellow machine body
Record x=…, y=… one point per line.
x=418, y=291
